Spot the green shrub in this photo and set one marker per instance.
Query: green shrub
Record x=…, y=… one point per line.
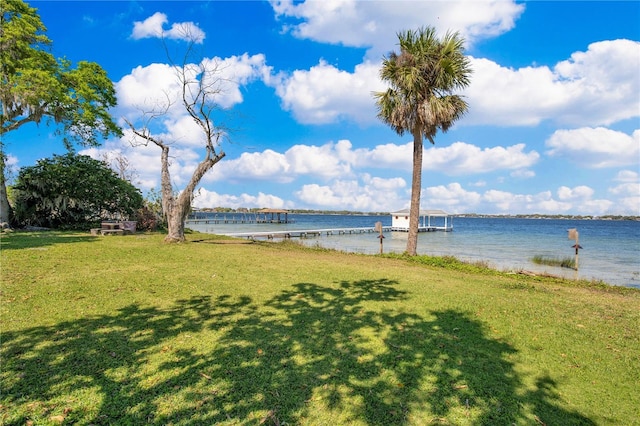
x=72, y=192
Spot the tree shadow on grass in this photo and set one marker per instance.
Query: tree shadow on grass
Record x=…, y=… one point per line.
x=35, y=240
x=314, y=354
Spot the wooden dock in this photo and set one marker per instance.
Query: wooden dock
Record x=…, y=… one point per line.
x=233, y=220
x=310, y=233
x=302, y=233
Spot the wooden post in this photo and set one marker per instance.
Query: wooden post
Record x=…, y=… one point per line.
x=574, y=235
x=381, y=237
x=577, y=249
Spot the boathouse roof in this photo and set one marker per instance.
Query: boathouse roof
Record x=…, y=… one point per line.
x=404, y=212
x=273, y=211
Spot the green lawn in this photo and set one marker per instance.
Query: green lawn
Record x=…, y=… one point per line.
x=128, y=330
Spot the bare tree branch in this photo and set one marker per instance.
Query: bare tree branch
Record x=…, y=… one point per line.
x=201, y=87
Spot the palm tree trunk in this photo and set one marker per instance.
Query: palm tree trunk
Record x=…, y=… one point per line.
x=416, y=186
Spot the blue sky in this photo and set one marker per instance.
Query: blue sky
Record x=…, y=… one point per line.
x=553, y=125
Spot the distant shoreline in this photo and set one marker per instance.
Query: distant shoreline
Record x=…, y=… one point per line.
x=469, y=215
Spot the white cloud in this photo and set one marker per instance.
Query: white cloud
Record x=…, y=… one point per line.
x=393, y=194
x=454, y=198
x=596, y=147
x=325, y=94
x=324, y=161
x=578, y=193
x=155, y=86
x=507, y=202
x=373, y=24
x=628, y=192
x=363, y=191
x=628, y=201
x=596, y=87
x=153, y=27
x=389, y=155
x=459, y=158
x=265, y=165
x=576, y=200
x=601, y=91
x=151, y=95
x=451, y=198
x=327, y=161
x=523, y=174
x=496, y=94
x=228, y=75
x=583, y=90
x=340, y=160
x=627, y=176
x=364, y=194
x=148, y=88
x=463, y=158
x=204, y=198
x=630, y=188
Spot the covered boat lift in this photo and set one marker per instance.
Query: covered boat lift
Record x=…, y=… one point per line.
x=273, y=216
x=430, y=220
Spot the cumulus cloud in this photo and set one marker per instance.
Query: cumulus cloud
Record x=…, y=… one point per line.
x=463, y=158
x=582, y=90
x=627, y=193
x=578, y=193
x=150, y=96
x=153, y=27
x=325, y=94
x=542, y=202
x=523, y=174
x=459, y=158
x=363, y=190
x=627, y=176
x=204, y=198
x=596, y=147
x=373, y=24
x=158, y=85
x=388, y=155
x=364, y=194
x=452, y=198
x=327, y=161
x=341, y=160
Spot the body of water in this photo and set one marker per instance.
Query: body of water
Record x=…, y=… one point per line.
x=611, y=249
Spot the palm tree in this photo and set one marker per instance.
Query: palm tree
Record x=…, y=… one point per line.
x=420, y=99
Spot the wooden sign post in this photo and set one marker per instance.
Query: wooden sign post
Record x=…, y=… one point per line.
x=574, y=235
x=381, y=237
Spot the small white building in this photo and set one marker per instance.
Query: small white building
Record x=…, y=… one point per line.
x=430, y=220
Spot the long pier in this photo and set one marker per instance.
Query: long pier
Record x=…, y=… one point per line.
x=234, y=220
x=310, y=233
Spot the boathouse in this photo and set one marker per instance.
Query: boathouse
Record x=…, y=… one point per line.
x=273, y=216
x=430, y=220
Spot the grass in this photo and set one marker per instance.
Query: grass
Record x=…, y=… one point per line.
x=128, y=330
x=567, y=262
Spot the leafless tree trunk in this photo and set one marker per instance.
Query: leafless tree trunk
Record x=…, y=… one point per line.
x=176, y=209
x=198, y=97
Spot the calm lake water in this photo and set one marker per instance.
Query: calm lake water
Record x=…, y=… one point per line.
x=611, y=249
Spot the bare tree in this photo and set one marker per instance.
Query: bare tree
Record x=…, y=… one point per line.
x=120, y=164
x=201, y=85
